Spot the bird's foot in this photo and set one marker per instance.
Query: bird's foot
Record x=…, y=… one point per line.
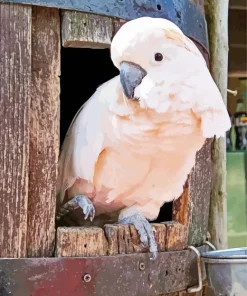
x=145, y=232
x=79, y=201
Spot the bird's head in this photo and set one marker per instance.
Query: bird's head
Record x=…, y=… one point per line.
x=153, y=57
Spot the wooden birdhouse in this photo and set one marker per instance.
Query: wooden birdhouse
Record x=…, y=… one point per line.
x=53, y=56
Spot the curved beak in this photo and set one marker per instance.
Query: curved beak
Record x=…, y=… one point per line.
x=131, y=76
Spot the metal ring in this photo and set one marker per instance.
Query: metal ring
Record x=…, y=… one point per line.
x=210, y=245
x=199, y=269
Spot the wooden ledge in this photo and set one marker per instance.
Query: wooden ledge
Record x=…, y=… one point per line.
x=84, y=30
x=116, y=239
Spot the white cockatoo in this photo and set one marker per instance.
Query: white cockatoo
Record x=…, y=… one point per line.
x=132, y=145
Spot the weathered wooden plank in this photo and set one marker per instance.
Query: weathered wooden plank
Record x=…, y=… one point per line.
x=86, y=30
x=93, y=241
x=81, y=242
x=124, y=239
x=176, y=236
x=176, y=239
x=117, y=24
x=192, y=208
x=217, y=14
x=180, y=210
x=44, y=131
x=200, y=187
x=15, y=80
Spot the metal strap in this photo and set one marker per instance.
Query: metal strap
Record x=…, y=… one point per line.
x=183, y=13
x=121, y=275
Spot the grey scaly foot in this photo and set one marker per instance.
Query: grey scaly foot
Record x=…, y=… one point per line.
x=79, y=201
x=145, y=232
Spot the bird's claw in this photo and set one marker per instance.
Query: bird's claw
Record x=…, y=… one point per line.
x=145, y=232
x=78, y=201
x=86, y=205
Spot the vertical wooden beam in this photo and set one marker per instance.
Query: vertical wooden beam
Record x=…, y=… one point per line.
x=200, y=187
x=15, y=80
x=217, y=17
x=44, y=131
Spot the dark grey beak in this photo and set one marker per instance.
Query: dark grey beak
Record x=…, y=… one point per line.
x=131, y=76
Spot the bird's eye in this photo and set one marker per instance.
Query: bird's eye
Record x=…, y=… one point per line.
x=158, y=57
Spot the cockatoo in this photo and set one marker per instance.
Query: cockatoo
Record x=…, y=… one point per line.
x=132, y=145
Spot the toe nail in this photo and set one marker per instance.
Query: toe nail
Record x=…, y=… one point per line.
x=154, y=255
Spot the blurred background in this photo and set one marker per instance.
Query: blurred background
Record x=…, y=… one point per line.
x=237, y=137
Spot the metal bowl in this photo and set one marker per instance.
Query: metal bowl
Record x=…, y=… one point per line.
x=226, y=271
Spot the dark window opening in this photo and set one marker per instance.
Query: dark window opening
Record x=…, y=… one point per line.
x=82, y=71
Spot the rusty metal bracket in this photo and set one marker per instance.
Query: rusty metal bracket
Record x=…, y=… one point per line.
x=183, y=13
x=132, y=275
x=197, y=288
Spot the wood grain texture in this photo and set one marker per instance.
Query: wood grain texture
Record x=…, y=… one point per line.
x=217, y=18
x=44, y=131
x=180, y=209
x=176, y=236
x=117, y=24
x=86, y=30
x=199, y=200
x=124, y=239
x=15, y=80
x=113, y=240
x=81, y=242
x=192, y=208
x=176, y=239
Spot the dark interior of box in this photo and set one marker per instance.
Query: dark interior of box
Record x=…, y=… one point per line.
x=82, y=71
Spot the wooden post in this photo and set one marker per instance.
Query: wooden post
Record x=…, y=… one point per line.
x=15, y=80
x=217, y=17
x=44, y=131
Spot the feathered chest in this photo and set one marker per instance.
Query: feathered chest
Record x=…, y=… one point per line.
x=149, y=132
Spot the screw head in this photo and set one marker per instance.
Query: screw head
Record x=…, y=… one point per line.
x=87, y=277
x=142, y=266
